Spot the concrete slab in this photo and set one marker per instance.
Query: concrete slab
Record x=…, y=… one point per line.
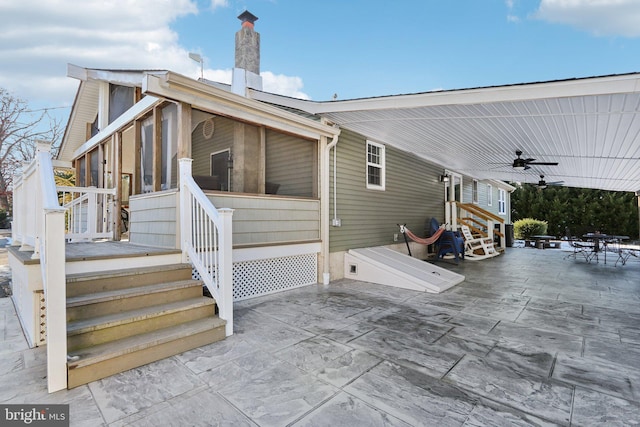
x=529, y=338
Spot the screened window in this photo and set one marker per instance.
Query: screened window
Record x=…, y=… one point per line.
x=502, y=202
x=146, y=158
x=82, y=170
x=168, y=151
x=120, y=100
x=375, y=166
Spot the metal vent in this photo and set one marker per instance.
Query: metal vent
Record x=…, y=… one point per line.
x=208, y=127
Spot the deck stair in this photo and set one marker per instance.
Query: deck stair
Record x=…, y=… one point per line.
x=121, y=319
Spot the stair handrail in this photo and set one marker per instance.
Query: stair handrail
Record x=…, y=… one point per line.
x=89, y=212
x=40, y=227
x=457, y=208
x=206, y=242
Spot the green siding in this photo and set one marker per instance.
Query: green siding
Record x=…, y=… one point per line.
x=290, y=164
x=153, y=219
x=202, y=148
x=412, y=195
x=269, y=219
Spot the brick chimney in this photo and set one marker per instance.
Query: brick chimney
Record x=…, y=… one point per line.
x=246, y=73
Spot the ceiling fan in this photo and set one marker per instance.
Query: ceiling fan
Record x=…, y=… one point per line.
x=542, y=184
x=523, y=164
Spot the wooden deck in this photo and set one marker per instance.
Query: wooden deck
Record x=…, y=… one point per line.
x=85, y=251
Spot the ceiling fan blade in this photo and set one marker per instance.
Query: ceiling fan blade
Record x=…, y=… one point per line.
x=544, y=163
x=555, y=183
x=529, y=160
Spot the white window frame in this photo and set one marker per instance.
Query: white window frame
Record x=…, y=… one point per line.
x=380, y=165
x=475, y=198
x=502, y=202
x=489, y=195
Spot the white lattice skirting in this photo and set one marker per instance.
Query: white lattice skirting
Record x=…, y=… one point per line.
x=266, y=276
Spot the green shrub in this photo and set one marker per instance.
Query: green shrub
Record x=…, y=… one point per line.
x=527, y=227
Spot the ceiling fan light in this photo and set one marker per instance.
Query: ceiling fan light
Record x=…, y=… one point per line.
x=519, y=164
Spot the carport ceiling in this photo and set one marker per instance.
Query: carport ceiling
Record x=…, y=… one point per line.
x=590, y=126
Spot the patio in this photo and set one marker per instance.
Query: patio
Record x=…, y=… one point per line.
x=527, y=339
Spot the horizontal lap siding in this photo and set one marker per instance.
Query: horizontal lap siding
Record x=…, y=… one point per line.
x=153, y=220
x=271, y=219
x=290, y=163
x=202, y=148
x=413, y=194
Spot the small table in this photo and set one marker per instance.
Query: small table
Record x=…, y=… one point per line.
x=542, y=240
x=606, y=239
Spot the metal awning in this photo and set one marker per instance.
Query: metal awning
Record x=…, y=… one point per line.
x=590, y=126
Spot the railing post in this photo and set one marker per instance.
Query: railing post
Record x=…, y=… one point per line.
x=185, y=208
x=55, y=299
x=92, y=213
x=225, y=268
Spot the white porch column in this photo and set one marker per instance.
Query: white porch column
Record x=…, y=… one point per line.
x=55, y=299
x=225, y=268
x=185, y=208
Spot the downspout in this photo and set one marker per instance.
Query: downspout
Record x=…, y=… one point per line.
x=326, y=274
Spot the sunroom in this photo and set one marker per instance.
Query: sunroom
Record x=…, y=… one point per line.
x=132, y=127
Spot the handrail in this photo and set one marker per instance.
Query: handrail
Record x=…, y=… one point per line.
x=482, y=213
x=206, y=241
x=39, y=220
x=90, y=212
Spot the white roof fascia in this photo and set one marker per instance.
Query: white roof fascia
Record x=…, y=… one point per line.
x=510, y=188
x=521, y=92
x=128, y=116
x=177, y=87
x=124, y=78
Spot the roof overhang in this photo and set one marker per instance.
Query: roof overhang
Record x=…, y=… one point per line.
x=590, y=126
x=177, y=87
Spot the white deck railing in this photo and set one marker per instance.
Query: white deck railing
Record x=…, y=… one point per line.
x=206, y=242
x=89, y=212
x=38, y=225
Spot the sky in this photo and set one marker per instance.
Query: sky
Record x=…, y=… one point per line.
x=318, y=49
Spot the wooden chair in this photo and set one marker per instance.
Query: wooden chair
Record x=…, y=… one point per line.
x=477, y=248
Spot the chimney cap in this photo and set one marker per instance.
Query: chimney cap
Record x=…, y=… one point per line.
x=247, y=16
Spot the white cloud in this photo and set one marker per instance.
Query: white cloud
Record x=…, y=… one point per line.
x=599, y=17
x=283, y=85
x=219, y=3
x=40, y=37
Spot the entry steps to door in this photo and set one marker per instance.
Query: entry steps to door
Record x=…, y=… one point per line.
x=385, y=266
x=123, y=319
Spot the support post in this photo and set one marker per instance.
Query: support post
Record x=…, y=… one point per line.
x=225, y=268
x=55, y=300
x=185, y=208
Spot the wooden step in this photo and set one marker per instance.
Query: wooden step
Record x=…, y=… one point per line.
x=107, y=359
x=99, y=330
x=108, y=302
x=87, y=283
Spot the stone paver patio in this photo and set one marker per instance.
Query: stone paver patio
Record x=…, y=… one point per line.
x=528, y=339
